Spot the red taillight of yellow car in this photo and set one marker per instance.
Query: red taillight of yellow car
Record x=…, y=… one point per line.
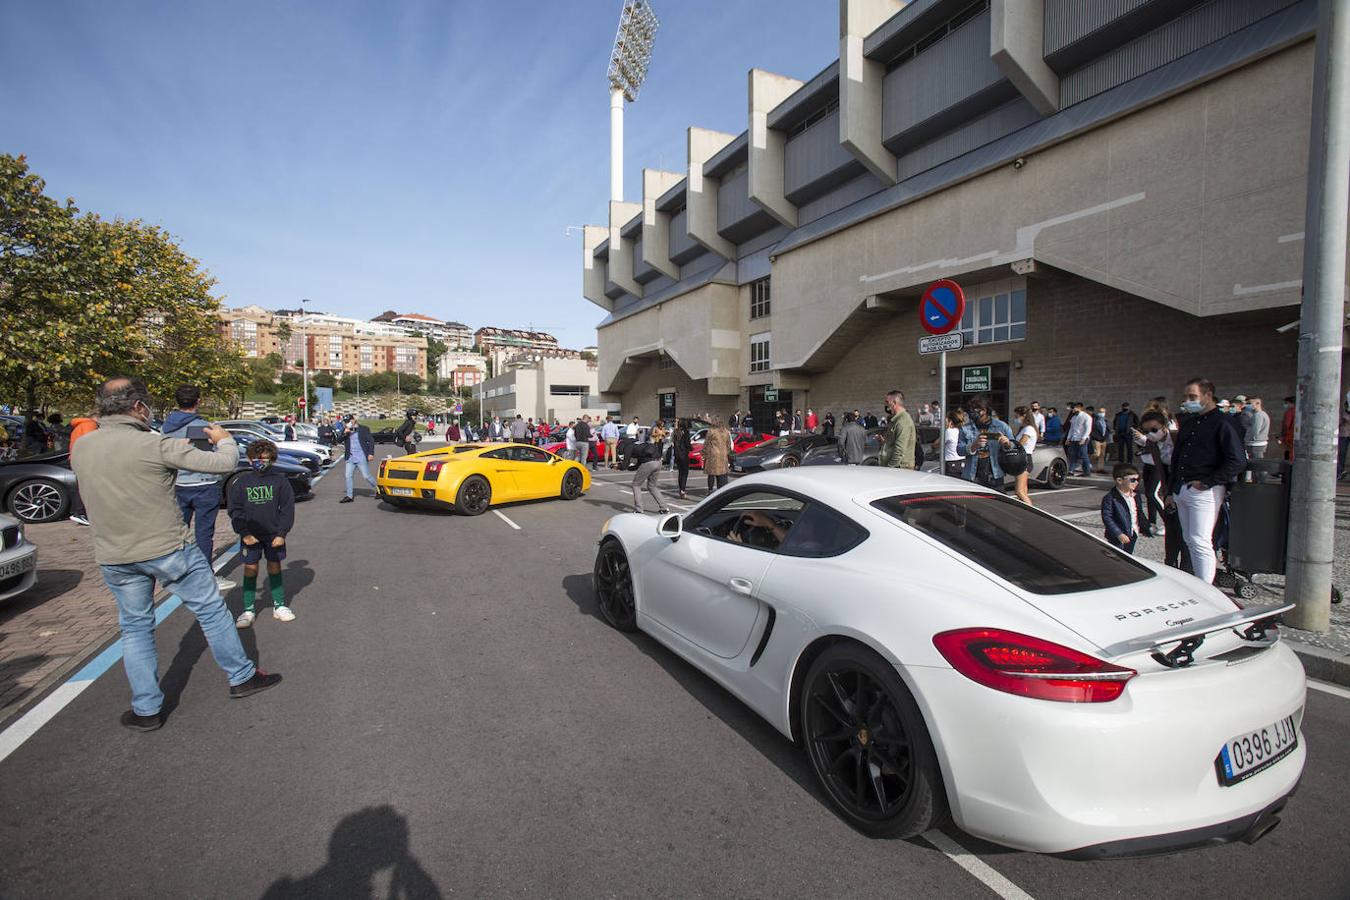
x=1020, y=664
x=433, y=471
x=384, y=462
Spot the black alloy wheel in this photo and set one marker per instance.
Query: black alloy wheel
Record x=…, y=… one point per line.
x=868, y=745
x=475, y=496
x=1058, y=471
x=791, y=462
x=571, y=484
x=613, y=581
x=39, y=500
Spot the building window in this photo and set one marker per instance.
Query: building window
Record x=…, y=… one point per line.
x=995, y=318
x=818, y=116
x=937, y=34
x=759, y=298
x=568, y=390
x=665, y=362
x=759, y=352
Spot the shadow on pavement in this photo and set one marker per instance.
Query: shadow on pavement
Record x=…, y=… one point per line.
x=716, y=699
x=298, y=576
x=363, y=846
x=51, y=584
x=12, y=671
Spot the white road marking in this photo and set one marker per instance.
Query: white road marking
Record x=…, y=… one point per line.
x=29, y=723
x=1328, y=688
x=499, y=514
x=975, y=866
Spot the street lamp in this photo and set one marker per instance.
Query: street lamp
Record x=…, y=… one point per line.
x=304, y=367
x=628, y=63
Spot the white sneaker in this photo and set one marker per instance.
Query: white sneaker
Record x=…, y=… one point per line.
x=283, y=614
x=245, y=620
x=79, y=520
x=224, y=585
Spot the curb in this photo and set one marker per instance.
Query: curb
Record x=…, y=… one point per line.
x=1325, y=665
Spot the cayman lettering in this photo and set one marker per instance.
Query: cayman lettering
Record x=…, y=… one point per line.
x=1151, y=610
x=260, y=494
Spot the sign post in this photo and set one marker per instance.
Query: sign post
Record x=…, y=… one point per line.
x=940, y=310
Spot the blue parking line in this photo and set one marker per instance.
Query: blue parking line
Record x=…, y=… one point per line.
x=113, y=654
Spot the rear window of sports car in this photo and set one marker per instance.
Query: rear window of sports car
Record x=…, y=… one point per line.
x=1032, y=550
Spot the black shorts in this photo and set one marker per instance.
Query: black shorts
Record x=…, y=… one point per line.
x=252, y=554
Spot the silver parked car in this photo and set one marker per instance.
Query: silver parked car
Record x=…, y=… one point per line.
x=18, y=559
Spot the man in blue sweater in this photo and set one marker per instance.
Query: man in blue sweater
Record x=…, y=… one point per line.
x=198, y=492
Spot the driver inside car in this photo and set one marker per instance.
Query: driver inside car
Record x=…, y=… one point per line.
x=758, y=529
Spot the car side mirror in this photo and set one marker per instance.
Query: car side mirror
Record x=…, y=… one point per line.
x=670, y=526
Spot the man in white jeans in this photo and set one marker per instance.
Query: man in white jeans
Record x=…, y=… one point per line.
x=1208, y=457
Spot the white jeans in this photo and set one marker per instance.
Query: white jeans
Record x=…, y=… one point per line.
x=1198, y=512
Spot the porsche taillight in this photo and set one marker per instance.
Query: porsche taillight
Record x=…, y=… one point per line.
x=1020, y=664
x=433, y=471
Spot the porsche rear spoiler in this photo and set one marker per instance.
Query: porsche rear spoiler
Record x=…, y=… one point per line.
x=1189, y=633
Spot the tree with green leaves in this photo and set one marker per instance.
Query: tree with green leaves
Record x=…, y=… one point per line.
x=435, y=350
x=83, y=299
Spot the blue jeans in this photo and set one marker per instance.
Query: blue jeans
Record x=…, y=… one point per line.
x=1079, y=453
x=354, y=463
x=186, y=573
x=204, y=500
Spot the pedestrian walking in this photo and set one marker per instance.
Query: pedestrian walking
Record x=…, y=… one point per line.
x=682, y=447
x=1101, y=438
x=953, y=462
x=1027, y=436
x=827, y=426
x=1076, y=441
x=1287, y=428
x=262, y=511
x=520, y=432
x=1153, y=443
x=404, y=434
x=1054, y=429
x=1208, y=458
x=812, y=421
x=1126, y=424
x=982, y=427
x=198, y=493
x=1040, y=421
x=852, y=441
x=360, y=446
x=716, y=454
x=581, y=433
x=648, y=475
x=1256, y=435
x=897, y=448
x=609, y=433
x=79, y=427
x=127, y=472
x=1122, y=515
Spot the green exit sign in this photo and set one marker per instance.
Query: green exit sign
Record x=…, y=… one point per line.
x=770, y=395
x=975, y=379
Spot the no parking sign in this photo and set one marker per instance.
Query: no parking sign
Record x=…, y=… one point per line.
x=942, y=306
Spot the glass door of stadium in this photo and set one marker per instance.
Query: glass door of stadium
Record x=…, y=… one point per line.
x=964, y=380
x=665, y=405
x=765, y=412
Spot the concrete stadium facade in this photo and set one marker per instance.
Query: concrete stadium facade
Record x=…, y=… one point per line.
x=1118, y=187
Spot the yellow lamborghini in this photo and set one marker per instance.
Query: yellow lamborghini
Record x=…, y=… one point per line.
x=470, y=478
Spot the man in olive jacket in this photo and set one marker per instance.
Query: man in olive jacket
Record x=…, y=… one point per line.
x=126, y=474
x=897, y=451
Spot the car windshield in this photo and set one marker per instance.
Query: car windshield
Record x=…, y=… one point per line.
x=1034, y=551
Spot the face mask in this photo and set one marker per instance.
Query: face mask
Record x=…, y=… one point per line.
x=1156, y=436
x=260, y=465
x=1191, y=406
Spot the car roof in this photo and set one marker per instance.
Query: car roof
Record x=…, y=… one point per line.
x=842, y=486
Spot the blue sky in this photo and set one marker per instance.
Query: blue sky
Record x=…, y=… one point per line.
x=419, y=156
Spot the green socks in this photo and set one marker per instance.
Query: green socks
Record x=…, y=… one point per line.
x=250, y=591
x=278, y=594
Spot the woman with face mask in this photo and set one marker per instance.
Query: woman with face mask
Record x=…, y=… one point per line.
x=1153, y=442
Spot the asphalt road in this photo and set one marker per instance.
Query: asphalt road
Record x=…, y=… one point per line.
x=456, y=719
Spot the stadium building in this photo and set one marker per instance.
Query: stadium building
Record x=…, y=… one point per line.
x=1118, y=187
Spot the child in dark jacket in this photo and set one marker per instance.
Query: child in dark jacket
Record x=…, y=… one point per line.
x=1123, y=510
x=262, y=511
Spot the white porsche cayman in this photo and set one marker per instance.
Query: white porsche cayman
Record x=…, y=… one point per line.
x=937, y=647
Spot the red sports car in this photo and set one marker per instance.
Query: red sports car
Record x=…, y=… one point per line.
x=560, y=448
x=739, y=442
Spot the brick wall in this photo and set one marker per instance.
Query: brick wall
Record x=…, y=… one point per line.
x=1085, y=341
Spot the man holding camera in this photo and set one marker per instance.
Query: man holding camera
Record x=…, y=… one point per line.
x=126, y=473
x=979, y=441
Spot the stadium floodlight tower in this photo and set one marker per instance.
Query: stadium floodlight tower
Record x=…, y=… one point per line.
x=627, y=70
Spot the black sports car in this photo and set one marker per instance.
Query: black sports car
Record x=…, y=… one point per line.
x=37, y=489
x=387, y=436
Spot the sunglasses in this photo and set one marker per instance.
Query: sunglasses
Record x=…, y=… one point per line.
x=1130, y=478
